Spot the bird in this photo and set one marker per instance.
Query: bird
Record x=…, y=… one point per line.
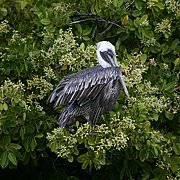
x=90, y=92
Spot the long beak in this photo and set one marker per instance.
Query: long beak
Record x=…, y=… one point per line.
x=124, y=85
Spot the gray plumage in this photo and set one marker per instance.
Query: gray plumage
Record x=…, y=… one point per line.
x=92, y=91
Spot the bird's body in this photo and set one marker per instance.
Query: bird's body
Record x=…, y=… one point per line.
x=90, y=92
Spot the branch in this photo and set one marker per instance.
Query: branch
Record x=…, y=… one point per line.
x=94, y=19
x=177, y=89
x=83, y=20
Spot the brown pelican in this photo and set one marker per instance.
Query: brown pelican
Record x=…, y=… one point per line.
x=92, y=91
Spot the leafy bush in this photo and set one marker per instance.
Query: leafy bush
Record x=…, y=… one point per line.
x=43, y=41
x=131, y=127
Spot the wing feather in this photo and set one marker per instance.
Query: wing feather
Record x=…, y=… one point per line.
x=83, y=86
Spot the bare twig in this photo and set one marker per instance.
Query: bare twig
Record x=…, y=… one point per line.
x=129, y=5
x=107, y=29
x=94, y=19
x=83, y=20
x=85, y=14
x=94, y=32
x=177, y=89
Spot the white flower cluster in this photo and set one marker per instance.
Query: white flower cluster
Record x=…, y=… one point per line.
x=4, y=27
x=164, y=26
x=144, y=23
x=68, y=54
x=151, y=3
x=61, y=7
x=148, y=42
x=175, y=104
x=41, y=85
x=49, y=73
x=108, y=2
x=134, y=70
x=99, y=138
x=61, y=142
x=173, y=6
x=13, y=93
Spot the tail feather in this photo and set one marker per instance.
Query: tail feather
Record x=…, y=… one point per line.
x=67, y=117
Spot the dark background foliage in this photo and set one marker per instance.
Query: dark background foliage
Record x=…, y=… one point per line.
x=42, y=41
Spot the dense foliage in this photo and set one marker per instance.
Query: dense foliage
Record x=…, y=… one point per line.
x=43, y=41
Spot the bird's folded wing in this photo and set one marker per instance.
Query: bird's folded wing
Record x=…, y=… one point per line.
x=83, y=86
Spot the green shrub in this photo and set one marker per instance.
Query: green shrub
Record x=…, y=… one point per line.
x=43, y=41
x=131, y=127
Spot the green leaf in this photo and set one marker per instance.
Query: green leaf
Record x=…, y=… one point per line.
x=155, y=151
x=12, y=158
x=85, y=164
x=169, y=86
x=6, y=140
x=146, y=125
x=131, y=26
x=176, y=148
x=166, y=157
x=22, y=103
x=75, y=151
x=148, y=142
x=174, y=44
x=40, y=135
x=3, y=11
x=33, y=144
x=86, y=38
x=14, y=146
x=24, y=116
x=45, y=21
x=79, y=28
x=175, y=163
x=87, y=31
x=143, y=18
x=137, y=22
x=142, y=156
x=146, y=170
x=30, y=129
x=147, y=32
x=138, y=146
x=174, y=167
x=5, y=106
x=155, y=116
x=53, y=146
x=1, y=107
x=97, y=164
x=102, y=160
x=70, y=158
x=118, y=3
x=90, y=165
x=82, y=158
x=23, y=4
x=138, y=4
x=166, y=35
x=4, y=161
x=136, y=13
x=160, y=5
x=177, y=62
x=22, y=132
x=164, y=48
x=143, y=58
x=169, y=115
x=91, y=140
x=26, y=144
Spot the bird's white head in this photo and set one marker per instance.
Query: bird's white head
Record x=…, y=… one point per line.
x=106, y=54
